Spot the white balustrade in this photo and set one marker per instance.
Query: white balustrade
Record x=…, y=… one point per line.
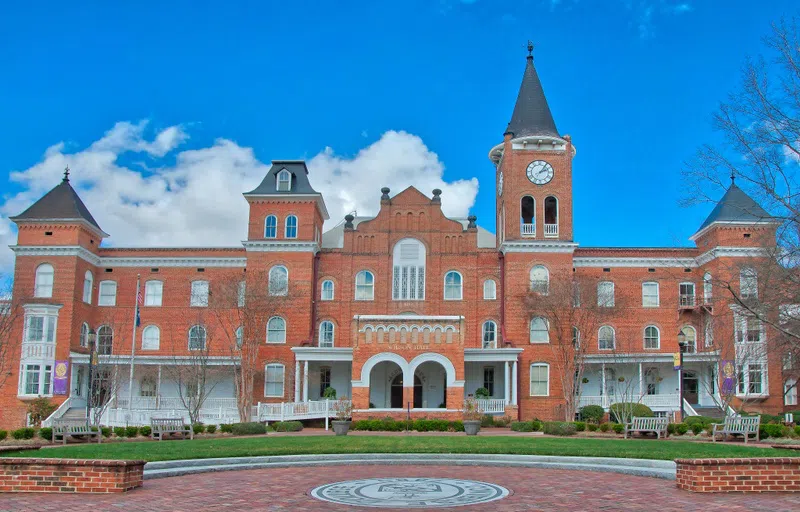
x=38, y=351
x=687, y=300
x=551, y=230
x=492, y=405
x=670, y=401
x=526, y=229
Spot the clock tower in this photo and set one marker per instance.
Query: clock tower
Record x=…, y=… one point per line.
x=533, y=170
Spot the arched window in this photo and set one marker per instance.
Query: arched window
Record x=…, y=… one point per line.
x=278, y=280
x=273, y=380
x=151, y=338
x=527, y=217
x=489, y=290
x=327, y=290
x=605, y=294
x=291, y=226
x=550, y=216
x=748, y=282
x=197, y=338
x=652, y=337
x=540, y=279
x=708, y=290
x=284, y=183
x=540, y=330
x=452, y=286
x=84, y=334
x=88, y=283
x=105, y=340
x=153, y=291
x=147, y=387
x=790, y=392
x=326, y=334
x=276, y=330
x=271, y=226
x=651, y=379
x=576, y=337
x=365, y=285
x=540, y=379
x=690, y=347
x=43, y=286
x=650, y=297
x=489, y=334
x=408, y=270
x=606, y=338
x=239, y=337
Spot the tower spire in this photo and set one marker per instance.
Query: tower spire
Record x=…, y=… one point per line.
x=66, y=173
x=531, y=115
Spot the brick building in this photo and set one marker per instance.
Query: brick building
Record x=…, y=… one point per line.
x=407, y=309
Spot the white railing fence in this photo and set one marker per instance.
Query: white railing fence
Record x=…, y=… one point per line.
x=58, y=413
x=666, y=401
x=492, y=405
x=551, y=230
x=527, y=229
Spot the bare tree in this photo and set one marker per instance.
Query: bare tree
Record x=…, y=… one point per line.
x=10, y=314
x=106, y=375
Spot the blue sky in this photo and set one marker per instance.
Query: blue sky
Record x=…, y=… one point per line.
x=228, y=86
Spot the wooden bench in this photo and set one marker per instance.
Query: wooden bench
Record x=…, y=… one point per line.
x=657, y=425
x=742, y=425
x=65, y=429
x=161, y=426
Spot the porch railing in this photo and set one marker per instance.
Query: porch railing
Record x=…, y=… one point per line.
x=58, y=413
x=492, y=405
x=550, y=230
x=527, y=229
x=605, y=401
x=172, y=402
x=296, y=410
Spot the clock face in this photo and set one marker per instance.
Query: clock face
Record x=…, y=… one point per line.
x=500, y=185
x=540, y=172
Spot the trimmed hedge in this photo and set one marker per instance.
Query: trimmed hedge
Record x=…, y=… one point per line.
x=3, y=434
x=619, y=410
x=23, y=433
x=198, y=428
x=580, y=426
x=46, y=433
x=770, y=430
x=591, y=427
x=287, y=426
x=211, y=429
x=559, y=428
x=248, y=429
x=106, y=431
x=702, y=420
x=522, y=426
x=145, y=431
x=592, y=413
x=420, y=425
x=605, y=427
x=618, y=427
x=119, y=431
x=131, y=431
x=225, y=428
x=677, y=428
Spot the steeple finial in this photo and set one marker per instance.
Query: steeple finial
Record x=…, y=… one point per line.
x=66, y=173
x=530, y=50
x=733, y=177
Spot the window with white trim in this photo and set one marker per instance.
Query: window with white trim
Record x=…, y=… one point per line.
x=651, y=379
x=239, y=337
x=199, y=297
x=327, y=290
x=365, y=285
x=107, y=295
x=197, y=338
x=151, y=338
x=276, y=330
x=540, y=379
x=241, y=294
x=686, y=294
x=540, y=279
x=790, y=392
x=606, y=338
x=284, y=182
x=605, y=294
x=690, y=347
x=105, y=340
x=489, y=334
x=408, y=270
x=88, y=284
x=43, y=285
x=749, y=329
x=84, y=335
x=652, y=337
x=489, y=290
x=326, y=334
x=291, y=227
x=540, y=330
x=708, y=289
x=271, y=226
x=147, y=387
x=278, y=280
x=324, y=379
x=40, y=328
x=650, y=298
x=752, y=379
x=273, y=380
x=488, y=379
x=452, y=286
x=153, y=291
x=708, y=331
x=748, y=283
x=36, y=380
x=576, y=337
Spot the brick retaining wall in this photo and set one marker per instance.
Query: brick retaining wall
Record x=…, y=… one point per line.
x=69, y=475
x=773, y=474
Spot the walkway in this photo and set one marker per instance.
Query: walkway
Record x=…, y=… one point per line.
x=288, y=490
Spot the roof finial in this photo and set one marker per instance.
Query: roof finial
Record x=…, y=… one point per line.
x=66, y=173
x=530, y=50
x=733, y=178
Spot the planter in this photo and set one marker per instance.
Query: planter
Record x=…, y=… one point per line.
x=341, y=427
x=472, y=427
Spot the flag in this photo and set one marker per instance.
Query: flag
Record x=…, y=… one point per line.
x=139, y=303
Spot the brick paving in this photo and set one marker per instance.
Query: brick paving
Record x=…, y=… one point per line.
x=288, y=489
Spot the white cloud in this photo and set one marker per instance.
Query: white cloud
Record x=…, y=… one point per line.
x=197, y=200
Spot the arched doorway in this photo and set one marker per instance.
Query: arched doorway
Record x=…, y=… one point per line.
x=430, y=386
x=417, y=392
x=396, y=393
x=690, y=387
x=386, y=386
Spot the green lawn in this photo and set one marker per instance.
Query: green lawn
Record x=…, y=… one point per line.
x=287, y=445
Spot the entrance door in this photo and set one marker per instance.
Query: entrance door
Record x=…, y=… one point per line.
x=396, y=395
x=417, y=392
x=690, y=387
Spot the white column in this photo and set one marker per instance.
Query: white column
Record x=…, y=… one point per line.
x=297, y=381
x=641, y=381
x=507, y=381
x=158, y=389
x=305, y=381
x=603, y=398
x=514, y=383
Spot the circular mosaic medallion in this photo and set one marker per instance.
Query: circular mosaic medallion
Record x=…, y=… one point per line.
x=409, y=492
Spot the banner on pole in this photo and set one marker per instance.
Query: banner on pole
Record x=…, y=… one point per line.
x=676, y=359
x=728, y=371
x=60, y=377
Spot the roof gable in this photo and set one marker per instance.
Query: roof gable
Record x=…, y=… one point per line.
x=736, y=206
x=61, y=203
x=299, y=173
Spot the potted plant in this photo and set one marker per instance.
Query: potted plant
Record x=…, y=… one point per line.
x=585, y=380
x=472, y=416
x=482, y=393
x=329, y=394
x=344, y=411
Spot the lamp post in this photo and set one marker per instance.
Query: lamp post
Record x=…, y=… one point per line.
x=92, y=363
x=681, y=348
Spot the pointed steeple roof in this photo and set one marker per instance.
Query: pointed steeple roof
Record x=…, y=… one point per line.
x=736, y=206
x=531, y=115
x=62, y=203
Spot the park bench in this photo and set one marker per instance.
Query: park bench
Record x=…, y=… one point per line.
x=657, y=425
x=742, y=425
x=161, y=426
x=65, y=429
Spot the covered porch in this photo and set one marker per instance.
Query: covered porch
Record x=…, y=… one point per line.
x=496, y=371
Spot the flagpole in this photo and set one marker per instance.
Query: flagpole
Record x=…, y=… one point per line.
x=133, y=342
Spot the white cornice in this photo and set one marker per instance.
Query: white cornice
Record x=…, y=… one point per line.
x=731, y=252
x=592, y=261
x=403, y=318
x=78, y=358
x=280, y=246
x=537, y=246
x=472, y=355
x=323, y=354
x=131, y=261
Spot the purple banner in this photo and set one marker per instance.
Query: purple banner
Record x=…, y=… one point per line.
x=60, y=378
x=727, y=370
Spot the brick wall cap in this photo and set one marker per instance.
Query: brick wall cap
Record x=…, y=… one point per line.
x=739, y=461
x=30, y=461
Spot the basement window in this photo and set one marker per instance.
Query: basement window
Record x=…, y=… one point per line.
x=747, y=235
x=201, y=270
x=606, y=270
x=154, y=270
x=651, y=270
x=48, y=233
x=109, y=270
x=687, y=270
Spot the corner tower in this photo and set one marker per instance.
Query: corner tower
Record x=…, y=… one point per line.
x=533, y=169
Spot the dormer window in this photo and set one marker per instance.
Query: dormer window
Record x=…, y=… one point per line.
x=284, y=181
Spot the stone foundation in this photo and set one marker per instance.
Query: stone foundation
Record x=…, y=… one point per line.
x=778, y=474
x=69, y=475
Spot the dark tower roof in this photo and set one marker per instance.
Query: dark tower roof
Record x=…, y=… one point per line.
x=736, y=206
x=62, y=203
x=299, y=184
x=531, y=115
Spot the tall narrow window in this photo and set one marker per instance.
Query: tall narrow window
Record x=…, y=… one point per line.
x=540, y=379
x=327, y=290
x=43, y=286
x=605, y=294
x=365, y=285
x=748, y=283
x=88, y=283
x=152, y=293
x=550, y=216
x=273, y=380
x=652, y=337
x=108, y=294
x=452, y=286
x=489, y=334
x=241, y=294
x=540, y=330
x=686, y=294
x=790, y=392
x=276, y=330
x=690, y=347
x=540, y=279
x=278, y=280
x=606, y=338
x=40, y=328
x=324, y=379
x=239, y=337
x=199, y=297
x=105, y=340
x=489, y=290
x=527, y=218
x=197, y=338
x=650, y=298
x=291, y=226
x=326, y=334
x=84, y=335
x=652, y=379
x=576, y=337
x=151, y=338
x=284, y=181
x=271, y=226
x=408, y=272
x=708, y=289
x=488, y=379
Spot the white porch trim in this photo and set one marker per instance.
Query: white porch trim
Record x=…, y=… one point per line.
x=323, y=354
x=77, y=358
x=484, y=355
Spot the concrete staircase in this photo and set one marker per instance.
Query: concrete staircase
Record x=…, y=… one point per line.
x=712, y=412
x=74, y=414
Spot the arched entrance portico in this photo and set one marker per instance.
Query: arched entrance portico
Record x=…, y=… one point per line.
x=386, y=386
x=430, y=386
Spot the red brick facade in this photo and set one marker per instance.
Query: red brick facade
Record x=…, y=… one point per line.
x=739, y=475
x=70, y=475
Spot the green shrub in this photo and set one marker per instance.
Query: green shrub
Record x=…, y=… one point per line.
x=329, y=394
x=426, y=425
x=287, y=426
x=559, y=428
x=796, y=431
x=131, y=431
x=46, y=433
x=580, y=426
x=225, y=428
x=145, y=431
x=618, y=427
x=537, y=425
x=211, y=429
x=696, y=427
x=23, y=433
x=623, y=411
x=456, y=426
x=482, y=393
x=39, y=409
x=248, y=429
x=487, y=421
x=670, y=428
x=119, y=431
x=3, y=435
x=522, y=426
x=106, y=431
x=592, y=413
x=770, y=430
x=198, y=428
x=502, y=421
x=702, y=420
x=604, y=427
x=681, y=428
x=592, y=427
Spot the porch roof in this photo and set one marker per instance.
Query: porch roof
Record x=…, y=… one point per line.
x=77, y=358
x=323, y=354
x=491, y=354
x=659, y=357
